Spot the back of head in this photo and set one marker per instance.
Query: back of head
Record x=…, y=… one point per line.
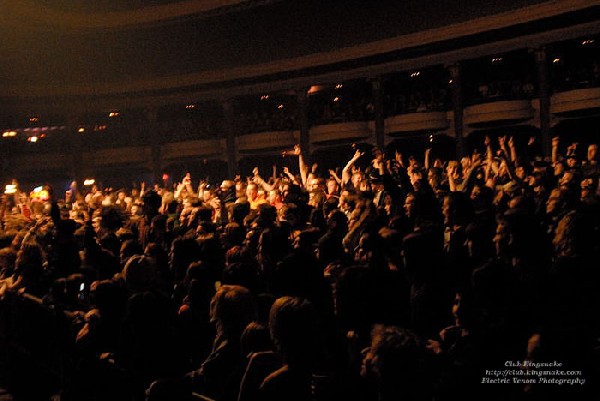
x=396, y=359
x=232, y=308
x=140, y=273
x=292, y=322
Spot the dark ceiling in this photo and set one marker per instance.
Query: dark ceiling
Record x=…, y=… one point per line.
x=45, y=54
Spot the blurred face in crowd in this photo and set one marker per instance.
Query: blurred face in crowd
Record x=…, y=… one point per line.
x=332, y=187
x=571, y=162
x=357, y=178
x=520, y=172
x=316, y=185
x=566, y=178
x=343, y=203
x=207, y=196
x=252, y=191
x=558, y=169
x=408, y=205
x=592, y=152
x=553, y=203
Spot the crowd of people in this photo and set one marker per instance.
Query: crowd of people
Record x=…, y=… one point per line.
x=399, y=279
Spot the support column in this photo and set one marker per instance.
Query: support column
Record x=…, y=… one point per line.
x=302, y=95
x=457, y=106
x=77, y=165
x=379, y=112
x=229, y=124
x=541, y=62
x=155, y=145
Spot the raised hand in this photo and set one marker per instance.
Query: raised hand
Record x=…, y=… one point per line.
x=357, y=155
x=531, y=140
x=511, y=142
x=398, y=158
x=555, y=142
x=501, y=141
x=487, y=141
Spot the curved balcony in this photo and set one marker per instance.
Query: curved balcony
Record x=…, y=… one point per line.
x=266, y=142
x=33, y=164
x=340, y=133
x=119, y=156
x=576, y=103
x=415, y=122
x=507, y=112
x=198, y=148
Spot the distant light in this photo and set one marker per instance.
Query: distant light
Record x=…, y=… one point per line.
x=99, y=127
x=556, y=60
x=38, y=189
x=450, y=81
x=339, y=86
x=10, y=189
x=34, y=119
x=43, y=135
x=113, y=114
x=9, y=134
x=315, y=89
x=264, y=97
x=165, y=177
x=337, y=99
x=89, y=181
x=190, y=106
x=81, y=130
x=497, y=59
x=415, y=74
x=280, y=106
x=587, y=42
x=32, y=139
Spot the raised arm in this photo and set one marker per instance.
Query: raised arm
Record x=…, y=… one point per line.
x=427, y=158
x=301, y=165
x=555, y=142
x=347, y=171
x=334, y=175
x=513, y=149
x=258, y=180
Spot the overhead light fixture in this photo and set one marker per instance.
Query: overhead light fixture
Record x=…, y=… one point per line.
x=190, y=106
x=89, y=181
x=556, y=61
x=34, y=119
x=415, y=74
x=81, y=130
x=264, y=97
x=280, y=106
x=32, y=139
x=113, y=114
x=496, y=59
x=9, y=134
x=339, y=86
x=337, y=99
x=587, y=42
